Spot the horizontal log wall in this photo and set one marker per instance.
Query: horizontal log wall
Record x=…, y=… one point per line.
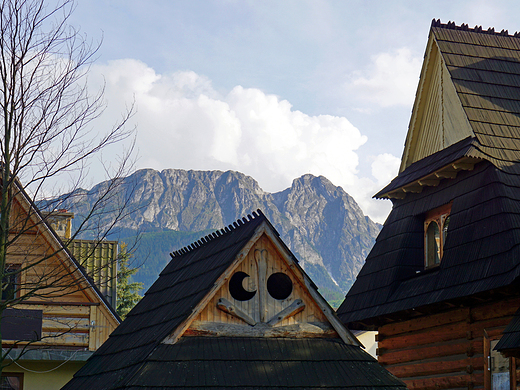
x=444, y=350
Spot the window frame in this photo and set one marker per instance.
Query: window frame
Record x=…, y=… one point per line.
x=440, y=216
x=18, y=375
x=12, y=270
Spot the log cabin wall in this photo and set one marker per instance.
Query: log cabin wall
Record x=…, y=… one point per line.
x=447, y=350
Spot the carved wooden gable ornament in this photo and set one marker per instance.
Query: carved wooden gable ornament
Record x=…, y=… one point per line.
x=264, y=293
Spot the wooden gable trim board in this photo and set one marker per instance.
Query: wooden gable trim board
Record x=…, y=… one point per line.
x=438, y=118
x=297, y=305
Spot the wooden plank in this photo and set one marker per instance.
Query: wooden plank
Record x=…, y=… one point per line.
x=57, y=339
x=466, y=365
x=66, y=311
x=497, y=309
x=424, y=322
x=445, y=382
x=454, y=331
x=67, y=339
x=458, y=347
x=66, y=324
x=92, y=337
x=439, y=334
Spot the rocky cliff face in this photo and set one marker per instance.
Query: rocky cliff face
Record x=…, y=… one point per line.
x=320, y=223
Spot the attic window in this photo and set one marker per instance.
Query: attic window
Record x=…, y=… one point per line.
x=436, y=225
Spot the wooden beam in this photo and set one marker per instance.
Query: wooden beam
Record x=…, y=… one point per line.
x=300, y=330
x=441, y=366
x=227, y=307
x=445, y=382
x=291, y=310
x=446, y=174
x=463, y=166
x=429, y=182
x=399, y=194
x=413, y=188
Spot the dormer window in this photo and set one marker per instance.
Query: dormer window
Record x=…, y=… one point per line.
x=436, y=225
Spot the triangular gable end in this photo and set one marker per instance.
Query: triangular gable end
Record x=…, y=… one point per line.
x=74, y=286
x=263, y=293
x=438, y=119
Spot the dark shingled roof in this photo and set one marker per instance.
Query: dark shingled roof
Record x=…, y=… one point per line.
x=485, y=69
x=510, y=341
x=253, y=363
x=482, y=251
x=135, y=357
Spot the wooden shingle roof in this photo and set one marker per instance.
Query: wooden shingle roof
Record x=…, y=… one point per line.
x=253, y=363
x=482, y=250
x=485, y=69
x=163, y=343
x=509, y=343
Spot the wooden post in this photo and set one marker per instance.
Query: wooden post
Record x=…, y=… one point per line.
x=261, y=263
x=487, y=362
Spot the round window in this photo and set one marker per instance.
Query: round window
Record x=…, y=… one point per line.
x=236, y=287
x=279, y=285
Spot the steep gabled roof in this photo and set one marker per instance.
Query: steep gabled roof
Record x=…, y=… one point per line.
x=477, y=169
x=164, y=343
x=469, y=86
x=86, y=283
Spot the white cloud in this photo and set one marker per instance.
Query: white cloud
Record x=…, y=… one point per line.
x=390, y=80
x=184, y=123
x=385, y=167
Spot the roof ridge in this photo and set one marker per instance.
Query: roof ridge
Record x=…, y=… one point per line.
x=478, y=29
x=218, y=233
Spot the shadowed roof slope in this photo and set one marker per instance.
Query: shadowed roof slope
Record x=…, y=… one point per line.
x=482, y=250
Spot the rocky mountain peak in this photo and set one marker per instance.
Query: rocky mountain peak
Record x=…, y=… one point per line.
x=320, y=222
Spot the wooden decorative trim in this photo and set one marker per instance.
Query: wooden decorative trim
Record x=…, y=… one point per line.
x=60, y=303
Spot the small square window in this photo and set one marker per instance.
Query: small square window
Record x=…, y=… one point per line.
x=436, y=225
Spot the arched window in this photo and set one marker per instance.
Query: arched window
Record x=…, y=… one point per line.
x=436, y=226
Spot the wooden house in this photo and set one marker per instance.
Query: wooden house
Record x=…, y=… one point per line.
x=442, y=280
x=233, y=310
x=56, y=315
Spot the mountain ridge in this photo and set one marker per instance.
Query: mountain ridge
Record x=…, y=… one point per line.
x=321, y=223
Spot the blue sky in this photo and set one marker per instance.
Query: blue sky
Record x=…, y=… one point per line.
x=274, y=89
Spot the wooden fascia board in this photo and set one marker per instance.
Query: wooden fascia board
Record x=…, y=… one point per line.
x=433, y=179
x=418, y=95
x=62, y=253
x=177, y=333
